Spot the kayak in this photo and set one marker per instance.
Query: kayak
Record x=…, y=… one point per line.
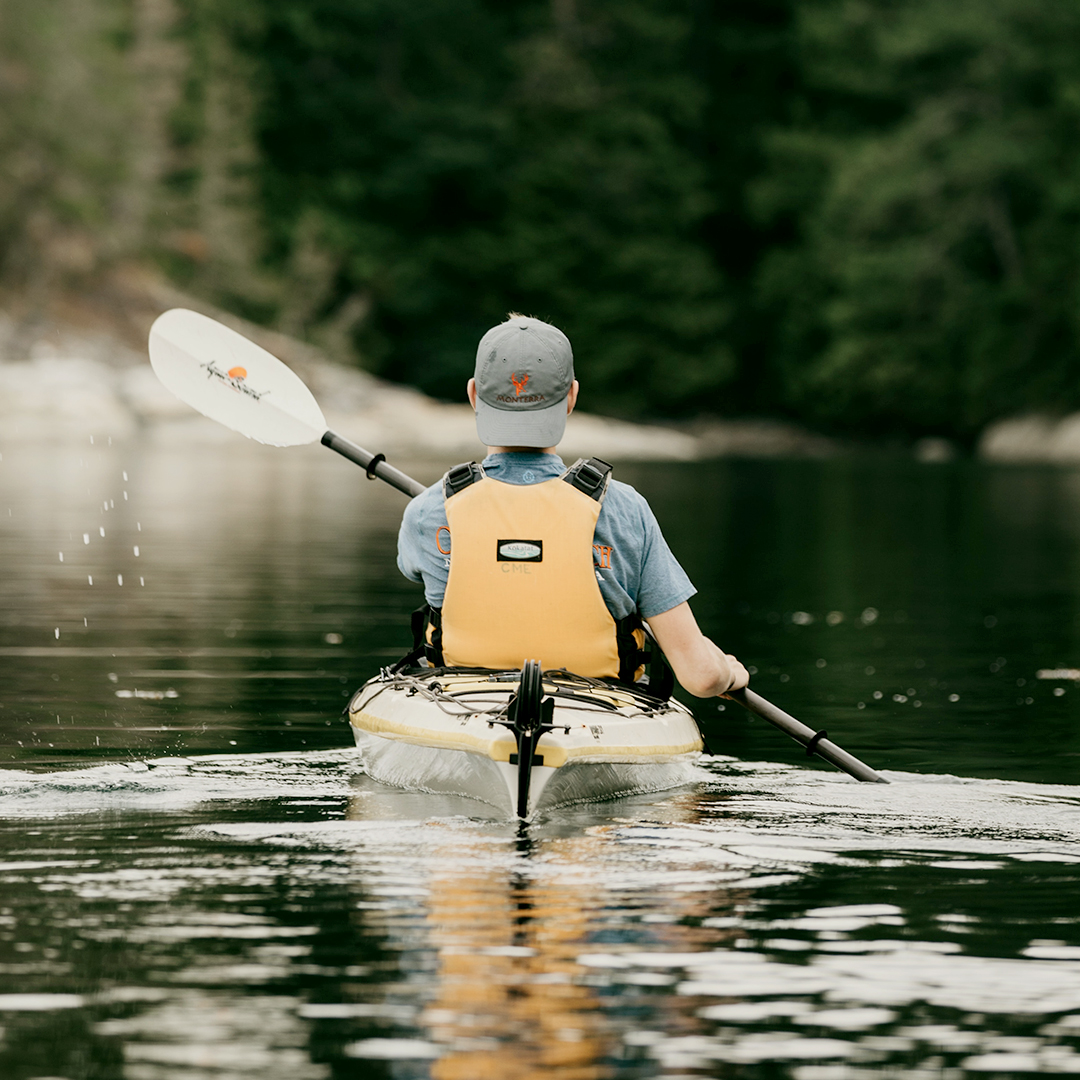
x=467, y=732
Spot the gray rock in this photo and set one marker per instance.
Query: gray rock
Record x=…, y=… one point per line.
x=1032, y=438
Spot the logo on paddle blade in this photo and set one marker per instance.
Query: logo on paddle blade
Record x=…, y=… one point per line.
x=233, y=378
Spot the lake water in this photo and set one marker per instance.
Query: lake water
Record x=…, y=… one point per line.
x=197, y=881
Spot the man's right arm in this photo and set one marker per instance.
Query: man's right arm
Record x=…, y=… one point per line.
x=409, y=542
x=699, y=664
x=424, y=544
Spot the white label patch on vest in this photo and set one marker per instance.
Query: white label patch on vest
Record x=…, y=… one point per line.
x=519, y=551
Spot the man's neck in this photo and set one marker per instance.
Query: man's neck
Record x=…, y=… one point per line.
x=520, y=450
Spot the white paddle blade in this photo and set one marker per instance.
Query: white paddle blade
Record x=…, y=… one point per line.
x=231, y=380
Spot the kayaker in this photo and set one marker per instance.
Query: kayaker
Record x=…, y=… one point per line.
x=519, y=583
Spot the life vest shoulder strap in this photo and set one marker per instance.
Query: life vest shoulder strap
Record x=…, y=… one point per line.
x=590, y=476
x=460, y=477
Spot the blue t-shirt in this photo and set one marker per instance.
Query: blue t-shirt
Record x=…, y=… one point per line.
x=634, y=566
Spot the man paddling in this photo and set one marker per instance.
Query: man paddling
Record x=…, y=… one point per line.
x=522, y=558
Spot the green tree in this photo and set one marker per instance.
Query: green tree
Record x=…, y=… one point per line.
x=65, y=107
x=126, y=133
x=442, y=162
x=930, y=178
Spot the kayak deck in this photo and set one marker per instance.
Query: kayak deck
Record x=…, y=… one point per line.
x=445, y=732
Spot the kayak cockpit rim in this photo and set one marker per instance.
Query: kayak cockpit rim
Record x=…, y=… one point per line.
x=565, y=685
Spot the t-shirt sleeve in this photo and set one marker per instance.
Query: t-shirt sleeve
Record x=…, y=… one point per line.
x=663, y=583
x=408, y=544
x=418, y=556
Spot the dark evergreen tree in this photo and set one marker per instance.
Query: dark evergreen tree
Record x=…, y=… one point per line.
x=930, y=175
x=457, y=160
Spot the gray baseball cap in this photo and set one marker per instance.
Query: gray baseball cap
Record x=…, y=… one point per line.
x=524, y=371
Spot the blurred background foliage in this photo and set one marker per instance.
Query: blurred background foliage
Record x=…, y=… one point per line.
x=864, y=214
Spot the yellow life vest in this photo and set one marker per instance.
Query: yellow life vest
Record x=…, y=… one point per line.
x=522, y=583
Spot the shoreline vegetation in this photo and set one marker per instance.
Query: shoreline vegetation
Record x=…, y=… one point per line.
x=857, y=217
x=80, y=368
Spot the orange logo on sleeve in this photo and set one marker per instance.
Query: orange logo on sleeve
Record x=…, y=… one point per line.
x=520, y=382
x=603, y=556
x=438, y=539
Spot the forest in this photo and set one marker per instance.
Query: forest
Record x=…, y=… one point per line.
x=860, y=214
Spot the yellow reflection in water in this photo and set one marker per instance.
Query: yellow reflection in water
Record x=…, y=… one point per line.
x=508, y=974
x=511, y=998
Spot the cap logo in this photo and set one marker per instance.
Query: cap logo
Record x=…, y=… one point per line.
x=520, y=382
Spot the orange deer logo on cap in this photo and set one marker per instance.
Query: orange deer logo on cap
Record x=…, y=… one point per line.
x=520, y=383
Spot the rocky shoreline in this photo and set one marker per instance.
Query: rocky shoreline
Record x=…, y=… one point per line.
x=1033, y=439
x=81, y=370
x=78, y=368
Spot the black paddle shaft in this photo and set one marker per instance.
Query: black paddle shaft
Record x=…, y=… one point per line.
x=815, y=742
x=373, y=464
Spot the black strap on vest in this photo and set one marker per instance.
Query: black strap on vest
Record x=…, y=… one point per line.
x=641, y=662
x=460, y=477
x=640, y=665
x=589, y=477
x=423, y=618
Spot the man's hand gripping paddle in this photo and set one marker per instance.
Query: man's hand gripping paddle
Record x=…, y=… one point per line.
x=230, y=379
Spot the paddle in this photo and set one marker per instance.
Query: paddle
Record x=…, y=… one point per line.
x=230, y=379
x=814, y=741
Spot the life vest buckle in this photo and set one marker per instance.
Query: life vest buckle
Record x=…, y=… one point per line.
x=460, y=477
x=589, y=477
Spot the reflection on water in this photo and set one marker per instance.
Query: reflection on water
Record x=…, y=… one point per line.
x=196, y=880
x=906, y=608
x=319, y=925
x=263, y=590
x=515, y=997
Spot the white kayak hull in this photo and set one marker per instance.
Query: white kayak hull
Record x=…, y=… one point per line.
x=439, y=733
